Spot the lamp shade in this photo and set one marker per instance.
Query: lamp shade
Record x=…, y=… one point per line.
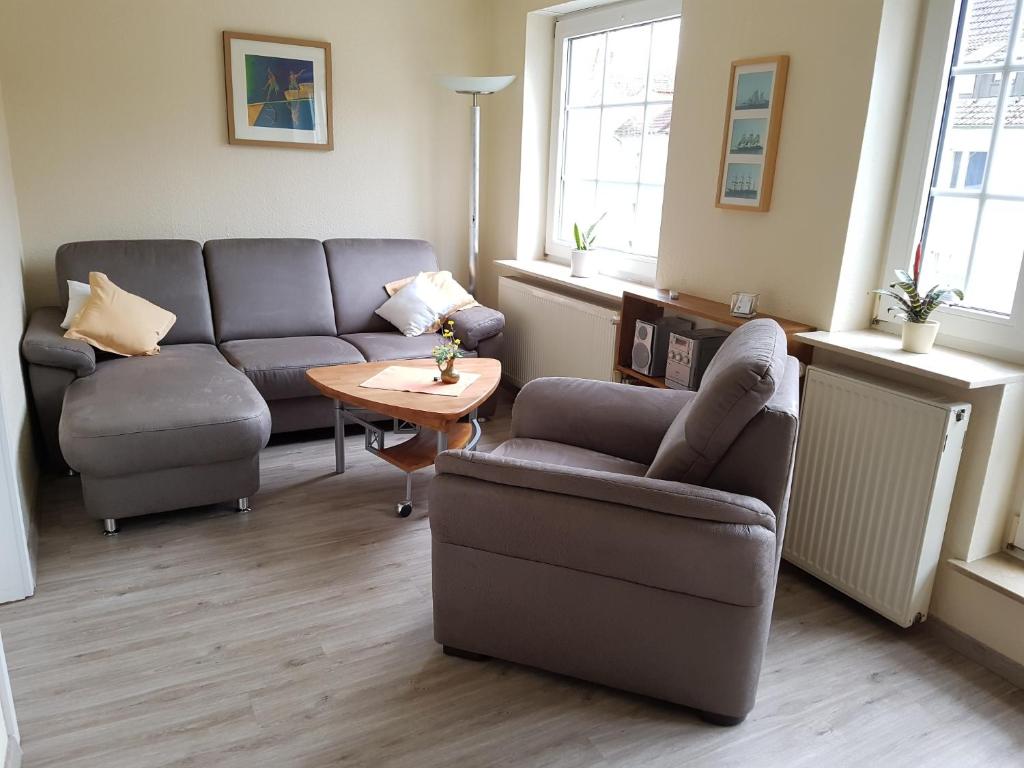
x=466, y=84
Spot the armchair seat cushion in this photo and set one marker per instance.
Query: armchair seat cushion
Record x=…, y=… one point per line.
x=278, y=366
x=548, y=452
x=391, y=345
x=184, y=407
x=719, y=561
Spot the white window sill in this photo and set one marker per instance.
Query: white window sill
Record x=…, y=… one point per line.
x=600, y=287
x=950, y=366
x=1001, y=572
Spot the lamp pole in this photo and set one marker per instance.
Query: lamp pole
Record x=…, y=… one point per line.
x=475, y=87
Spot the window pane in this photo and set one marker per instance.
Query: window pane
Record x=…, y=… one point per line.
x=617, y=227
x=947, y=249
x=986, y=31
x=968, y=133
x=581, y=138
x=1018, y=55
x=648, y=220
x=577, y=207
x=629, y=50
x=621, y=138
x=997, y=257
x=664, y=47
x=586, y=69
x=655, y=152
x=1008, y=160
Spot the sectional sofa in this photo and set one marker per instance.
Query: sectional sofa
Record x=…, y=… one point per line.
x=185, y=427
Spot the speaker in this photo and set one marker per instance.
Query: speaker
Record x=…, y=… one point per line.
x=650, y=343
x=643, y=346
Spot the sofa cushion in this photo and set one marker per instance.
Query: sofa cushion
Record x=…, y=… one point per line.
x=183, y=407
x=548, y=452
x=169, y=273
x=119, y=322
x=736, y=386
x=278, y=366
x=391, y=345
x=359, y=270
x=269, y=288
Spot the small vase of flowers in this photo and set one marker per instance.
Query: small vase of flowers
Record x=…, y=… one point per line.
x=446, y=353
x=914, y=309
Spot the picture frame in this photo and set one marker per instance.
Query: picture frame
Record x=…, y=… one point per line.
x=750, y=143
x=278, y=91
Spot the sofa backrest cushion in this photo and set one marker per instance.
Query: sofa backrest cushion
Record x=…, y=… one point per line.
x=168, y=273
x=269, y=288
x=739, y=382
x=359, y=270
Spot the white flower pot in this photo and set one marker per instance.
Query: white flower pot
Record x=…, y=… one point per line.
x=585, y=263
x=919, y=337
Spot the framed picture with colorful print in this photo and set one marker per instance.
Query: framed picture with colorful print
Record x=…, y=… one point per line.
x=753, y=117
x=278, y=91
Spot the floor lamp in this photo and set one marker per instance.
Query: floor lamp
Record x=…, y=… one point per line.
x=475, y=87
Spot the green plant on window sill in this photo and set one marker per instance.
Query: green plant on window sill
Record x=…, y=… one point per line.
x=585, y=239
x=446, y=353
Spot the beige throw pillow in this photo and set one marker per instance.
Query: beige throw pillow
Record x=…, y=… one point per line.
x=455, y=295
x=120, y=322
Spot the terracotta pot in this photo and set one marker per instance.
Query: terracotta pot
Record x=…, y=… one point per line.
x=919, y=337
x=448, y=373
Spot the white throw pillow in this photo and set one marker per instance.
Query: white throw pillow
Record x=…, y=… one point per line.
x=415, y=308
x=78, y=294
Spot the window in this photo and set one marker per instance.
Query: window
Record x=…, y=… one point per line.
x=970, y=153
x=614, y=79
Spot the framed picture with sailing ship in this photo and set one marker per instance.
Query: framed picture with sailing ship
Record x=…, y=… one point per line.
x=753, y=117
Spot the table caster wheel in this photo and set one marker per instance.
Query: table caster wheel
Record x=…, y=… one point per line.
x=403, y=508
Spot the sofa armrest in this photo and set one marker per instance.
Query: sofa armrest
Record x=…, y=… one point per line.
x=617, y=419
x=475, y=324
x=663, y=496
x=44, y=344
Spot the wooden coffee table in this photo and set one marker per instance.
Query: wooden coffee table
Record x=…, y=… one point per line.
x=437, y=420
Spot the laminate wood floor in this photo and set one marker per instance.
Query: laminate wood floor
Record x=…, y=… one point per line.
x=300, y=635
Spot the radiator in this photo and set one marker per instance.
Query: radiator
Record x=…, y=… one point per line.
x=875, y=469
x=547, y=334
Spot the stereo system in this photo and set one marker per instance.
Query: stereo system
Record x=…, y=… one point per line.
x=689, y=353
x=650, y=343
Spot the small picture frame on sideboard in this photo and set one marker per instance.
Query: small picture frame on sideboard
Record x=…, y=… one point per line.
x=744, y=304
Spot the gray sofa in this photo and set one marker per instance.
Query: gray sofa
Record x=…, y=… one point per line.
x=185, y=427
x=625, y=535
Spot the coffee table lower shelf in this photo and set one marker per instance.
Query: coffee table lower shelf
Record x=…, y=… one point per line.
x=419, y=451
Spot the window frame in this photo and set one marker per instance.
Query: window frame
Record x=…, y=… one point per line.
x=627, y=266
x=970, y=329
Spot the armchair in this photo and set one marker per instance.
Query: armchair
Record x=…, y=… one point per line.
x=624, y=535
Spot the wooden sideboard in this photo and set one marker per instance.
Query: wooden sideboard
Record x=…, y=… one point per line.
x=652, y=306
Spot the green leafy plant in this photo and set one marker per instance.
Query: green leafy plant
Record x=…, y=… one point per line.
x=450, y=349
x=585, y=239
x=911, y=306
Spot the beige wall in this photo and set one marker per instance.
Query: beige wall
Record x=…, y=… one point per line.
x=791, y=255
x=16, y=432
x=117, y=124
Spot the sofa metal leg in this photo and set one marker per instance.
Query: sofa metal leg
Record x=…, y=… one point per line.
x=70, y=472
x=242, y=505
x=461, y=654
x=110, y=527
x=724, y=720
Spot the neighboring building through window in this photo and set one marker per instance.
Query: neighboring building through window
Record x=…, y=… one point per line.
x=972, y=230
x=614, y=81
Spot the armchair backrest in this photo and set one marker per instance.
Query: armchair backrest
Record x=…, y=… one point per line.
x=740, y=381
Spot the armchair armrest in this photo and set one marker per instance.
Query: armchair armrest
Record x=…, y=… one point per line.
x=617, y=419
x=475, y=324
x=44, y=344
x=664, y=496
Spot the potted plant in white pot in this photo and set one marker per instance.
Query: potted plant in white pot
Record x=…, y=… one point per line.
x=585, y=261
x=918, y=331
